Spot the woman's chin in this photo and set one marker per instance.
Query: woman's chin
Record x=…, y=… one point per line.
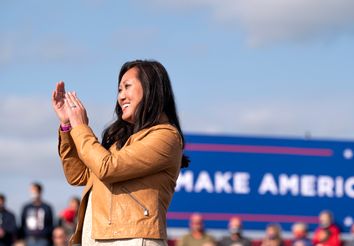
x=128, y=119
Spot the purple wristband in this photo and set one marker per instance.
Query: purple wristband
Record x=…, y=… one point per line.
x=65, y=128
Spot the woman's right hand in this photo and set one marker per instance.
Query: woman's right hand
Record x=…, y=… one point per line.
x=58, y=103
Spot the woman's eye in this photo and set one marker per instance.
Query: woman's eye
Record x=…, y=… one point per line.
x=127, y=86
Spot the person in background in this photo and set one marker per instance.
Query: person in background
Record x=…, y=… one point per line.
x=300, y=233
x=327, y=233
x=7, y=224
x=37, y=219
x=68, y=217
x=350, y=242
x=197, y=235
x=60, y=238
x=273, y=236
x=236, y=238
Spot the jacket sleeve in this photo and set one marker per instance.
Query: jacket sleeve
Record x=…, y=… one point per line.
x=160, y=148
x=10, y=227
x=75, y=171
x=48, y=228
x=21, y=232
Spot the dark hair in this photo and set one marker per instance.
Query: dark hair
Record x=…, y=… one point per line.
x=2, y=197
x=157, y=99
x=38, y=186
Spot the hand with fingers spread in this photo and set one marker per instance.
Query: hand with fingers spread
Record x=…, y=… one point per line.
x=58, y=103
x=76, y=111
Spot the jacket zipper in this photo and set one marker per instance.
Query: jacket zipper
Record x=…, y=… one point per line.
x=110, y=207
x=146, y=211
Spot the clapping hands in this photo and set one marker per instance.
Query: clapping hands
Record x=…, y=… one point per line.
x=68, y=107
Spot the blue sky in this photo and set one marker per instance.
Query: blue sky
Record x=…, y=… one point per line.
x=250, y=67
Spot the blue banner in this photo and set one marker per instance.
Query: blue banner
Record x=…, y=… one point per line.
x=264, y=180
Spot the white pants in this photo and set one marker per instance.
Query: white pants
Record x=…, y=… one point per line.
x=129, y=242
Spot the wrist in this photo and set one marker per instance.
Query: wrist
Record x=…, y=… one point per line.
x=65, y=127
x=65, y=123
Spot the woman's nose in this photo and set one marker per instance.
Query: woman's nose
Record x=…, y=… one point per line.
x=121, y=96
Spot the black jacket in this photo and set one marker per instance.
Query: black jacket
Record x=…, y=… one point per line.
x=8, y=224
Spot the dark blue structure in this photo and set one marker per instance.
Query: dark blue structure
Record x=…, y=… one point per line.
x=265, y=180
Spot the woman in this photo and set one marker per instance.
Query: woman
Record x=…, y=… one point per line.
x=130, y=176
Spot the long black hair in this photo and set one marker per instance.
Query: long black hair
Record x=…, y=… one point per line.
x=157, y=99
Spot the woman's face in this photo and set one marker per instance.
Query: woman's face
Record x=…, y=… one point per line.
x=130, y=94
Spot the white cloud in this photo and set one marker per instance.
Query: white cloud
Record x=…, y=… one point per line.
x=28, y=137
x=266, y=22
x=23, y=46
x=26, y=117
x=30, y=157
x=28, y=134
x=322, y=119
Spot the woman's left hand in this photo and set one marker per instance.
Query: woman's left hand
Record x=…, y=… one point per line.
x=76, y=111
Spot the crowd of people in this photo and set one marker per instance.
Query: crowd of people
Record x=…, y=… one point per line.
x=326, y=234
x=37, y=228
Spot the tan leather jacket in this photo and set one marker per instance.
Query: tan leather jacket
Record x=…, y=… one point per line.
x=131, y=187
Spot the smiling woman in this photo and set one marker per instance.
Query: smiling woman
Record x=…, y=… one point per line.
x=130, y=94
x=130, y=178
